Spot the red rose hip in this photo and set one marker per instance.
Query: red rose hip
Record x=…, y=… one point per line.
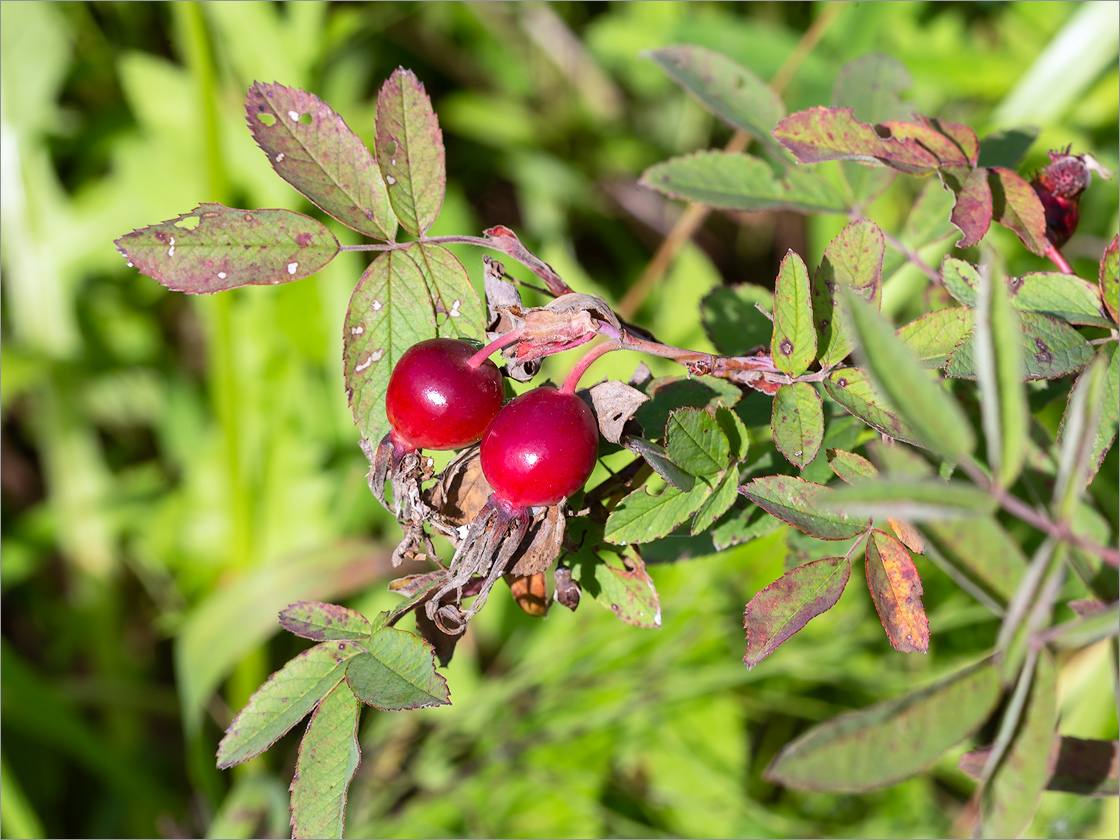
x=437, y=400
x=540, y=448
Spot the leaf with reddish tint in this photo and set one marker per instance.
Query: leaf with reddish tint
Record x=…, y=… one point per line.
x=972, y=212
x=727, y=89
x=459, y=310
x=890, y=741
x=800, y=504
x=1085, y=766
x=530, y=593
x=1016, y=206
x=390, y=310
x=1063, y=296
x=1109, y=278
x=312, y=148
x=284, y=700
x=896, y=590
x=409, y=147
x=214, y=248
x=798, y=423
x=788, y=604
x=1012, y=794
x=1051, y=349
x=850, y=467
x=324, y=622
x=853, y=259
x=794, y=342
x=629, y=593
x=734, y=181
x=962, y=136
x=933, y=337
x=852, y=388
x=397, y=671
x=329, y=756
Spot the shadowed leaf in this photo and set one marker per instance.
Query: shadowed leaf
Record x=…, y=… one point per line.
x=793, y=345
x=853, y=389
x=320, y=157
x=629, y=593
x=972, y=211
x=927, y=223
x=397, y=672
x=912, y=499
x=798, y=423
x=1105, y=433
x=1007, y=147
x=1109, y=278
x=214, y=248
x=799, y=503
x=853, y=259
x=1087, y=429
x=658, y=459
x=1016, y=206
x=933, y=337
x=788, y=604
x=980, y=550
x=733, y=321
x=1085, y=766
x=896, y=590
x=328, y=759
x=1063, y=296
x=324, y=622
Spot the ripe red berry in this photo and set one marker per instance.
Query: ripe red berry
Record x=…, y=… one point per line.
x=436, y=400
x=540, y=448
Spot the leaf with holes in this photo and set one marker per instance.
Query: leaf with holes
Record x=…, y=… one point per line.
x=798, y=423
x=214, y=248
x=1051, y=349
x=640, y=517
x=794, y=342
x=398, y=671
x=789, y=603
x=284, y=700
x=727, y=89
x=896, y=590
x=890, y=741
x=324, y=622
x=1063, y=296
x=972, y=210
x=696, y=443
x=629, y=593
x=459, y=311
x=853, y=389
x=799, y=503
x=734, y=181
x=328, y=759
x=853, y=259
x=1109, y=278
x=409, y=148
x=1016, y=206
x=933, y=337
x=312, y=148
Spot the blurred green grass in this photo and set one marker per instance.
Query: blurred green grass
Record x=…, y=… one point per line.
x=175, y=469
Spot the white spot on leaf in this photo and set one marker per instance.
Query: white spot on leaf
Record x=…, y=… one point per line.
x=280, y=157
x=375, y=306
x=390, y=180
x=358, y=330
x=455, y=313
x=292, y=267
x=221, y=275
x=394, y=161
x=293, y=115
x=171, y=250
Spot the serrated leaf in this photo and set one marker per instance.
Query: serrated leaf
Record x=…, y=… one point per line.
x=738, y=438
x=960, y=280
x=919, y=500
x=284, y=700
x=1109, y=278
x=799, y=503
x=1016, y=206
x=1051, y=349
x=850, y=467
x=853, y=389
x=398, y=671
x=390, y=310
x=658, y=459
x=329, y=756
x=920, y=401
x=789, y=603
x=896, y=589
x=933, y=337
x=732, y=319
x=980, y=550
x=717, y=504
x=727, y=89
x=793, y=345
x=734, y=181
x=320, y=156
x=798, y=423
x=696, y=443
x=214, y=248
x=1063, y=296
x=853, y=259
x=409, y=148
x=640, y=517
x=629, y=593
x=1108, y=420
x=890, y=741
x=324, y=622
x=1013, y=793
x=743, y=523
x=972, y=210
x=459, y=310
x=670, y=393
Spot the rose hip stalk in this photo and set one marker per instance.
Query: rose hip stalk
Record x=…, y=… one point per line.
x=539, y=450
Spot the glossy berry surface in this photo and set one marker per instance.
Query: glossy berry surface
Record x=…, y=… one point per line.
x=540, y=448
x=436, y=400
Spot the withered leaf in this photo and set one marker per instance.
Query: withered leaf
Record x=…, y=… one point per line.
x=542, y=546
x=530, y=593
x=614, y=403
x=459, y=494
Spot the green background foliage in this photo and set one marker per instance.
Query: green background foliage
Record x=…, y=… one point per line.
x=177, y=470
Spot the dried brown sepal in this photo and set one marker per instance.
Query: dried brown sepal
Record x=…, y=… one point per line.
x=459, y=494
x=502, y=301
x=567, y=322
x=567, y=590
x=529, y=593
x=404, y=469
x=614, y=403
x=506, y=241
x=542, y=545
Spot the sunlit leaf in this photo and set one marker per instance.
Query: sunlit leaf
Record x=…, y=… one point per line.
x=853, y=389
x=696, y=443
x=972, y=212
x=896, y=589
x=912, y=499
x=1108, y=420
x=629, y=593
x=328, y=759
x=799, y=503
x=1063, y=296
x=397, y=671
x=853, y=259
x=933, y=337
x=960, y=279
x=459, y=310
x=850, y=467
x=1078, y=435
x=1109, y=278
x=1050, y=349
x=324, y=622
x=793, y=345
x=718, y=502
x=1016, y=206
x=641, y=517
x=798, y=423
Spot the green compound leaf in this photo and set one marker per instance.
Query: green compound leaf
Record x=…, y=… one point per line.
x=398, y=671
x=328, y=759
x=793, y=345
x=730, y=91
x=640, y=517
x=1050, y=350
x=798, y=423
x=734, y=181
x=324, y=622
x=214, y=248
x=390, y=310
x=1109, y=278
x=1013, y=793
x=409, y=147
x=801, y=504
x=961, y=280
x=1063, y=296
x=629, y=593
x=312, y=148
x=853, y=389
x=696, y=443
x=732, y=319
x=658, y=459
x=933, y=337
x=853, y=259
x=790, y=602
x=1105, y=432
x=896, y=589
x=718, y=503
x=890, y=741
x=1016, y=206
x=284, y=700
x=919, y=400
x=850, y=467
x=459, y=312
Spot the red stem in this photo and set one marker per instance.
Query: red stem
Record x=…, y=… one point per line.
x=572, y=380
x=498, y=343
x=1056, y=257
